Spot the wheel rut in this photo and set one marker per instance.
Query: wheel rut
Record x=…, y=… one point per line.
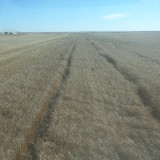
x=141, y=91
x=43, y=120
x=42, y=132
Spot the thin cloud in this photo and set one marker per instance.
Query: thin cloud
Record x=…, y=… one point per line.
x=113, y=16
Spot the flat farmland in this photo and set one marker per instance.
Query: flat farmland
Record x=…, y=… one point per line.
x=84, y=96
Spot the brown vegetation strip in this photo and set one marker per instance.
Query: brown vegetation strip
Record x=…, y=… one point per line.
x=40, y=124
x=142, y=90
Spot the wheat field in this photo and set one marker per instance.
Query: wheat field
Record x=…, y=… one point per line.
x=80, y=96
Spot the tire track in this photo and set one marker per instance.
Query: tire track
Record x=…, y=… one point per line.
x=42, y=131
x=142, y=90
x=47, y=119
x=129, y=77
x=42, y=121
x=145, y=57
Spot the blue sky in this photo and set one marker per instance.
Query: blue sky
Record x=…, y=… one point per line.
x=79, y=15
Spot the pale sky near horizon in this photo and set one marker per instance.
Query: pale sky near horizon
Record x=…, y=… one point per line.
x=79, y=15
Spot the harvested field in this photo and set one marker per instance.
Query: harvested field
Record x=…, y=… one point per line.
x=80, y=96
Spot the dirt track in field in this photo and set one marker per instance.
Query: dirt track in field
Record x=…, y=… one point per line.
x=80, y=96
